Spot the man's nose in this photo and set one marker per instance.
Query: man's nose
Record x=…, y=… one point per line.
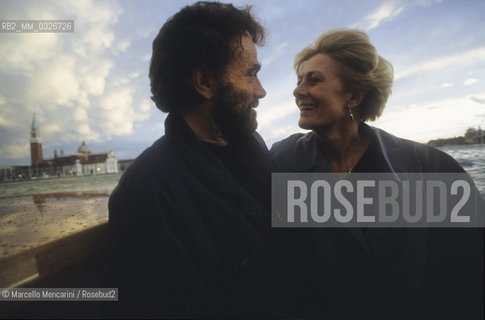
x=259, y=91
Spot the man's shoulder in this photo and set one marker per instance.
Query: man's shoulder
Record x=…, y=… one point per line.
x=153, y=158
x=151, y=178
x=260, y=141
x=158, y=160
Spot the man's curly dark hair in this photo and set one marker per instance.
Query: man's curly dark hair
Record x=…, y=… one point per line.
x=206, y=35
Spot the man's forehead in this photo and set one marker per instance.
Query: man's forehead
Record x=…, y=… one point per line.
x=248, y=44
x=247, y=56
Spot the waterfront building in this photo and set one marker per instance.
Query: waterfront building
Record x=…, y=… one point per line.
x=474, y=136
x=124, y=164
x=84, y=162
x=35, y=144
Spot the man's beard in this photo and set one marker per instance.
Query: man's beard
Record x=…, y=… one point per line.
x=233, y=112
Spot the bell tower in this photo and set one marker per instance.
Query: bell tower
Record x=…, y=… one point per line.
x=35, y=144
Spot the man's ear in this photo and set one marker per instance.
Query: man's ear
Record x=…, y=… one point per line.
x=203, y=82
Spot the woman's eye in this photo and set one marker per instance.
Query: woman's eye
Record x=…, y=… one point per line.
x=309, y=80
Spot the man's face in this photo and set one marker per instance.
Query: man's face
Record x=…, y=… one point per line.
x=238, y=93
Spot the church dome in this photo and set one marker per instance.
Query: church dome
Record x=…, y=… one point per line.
x=83, y=148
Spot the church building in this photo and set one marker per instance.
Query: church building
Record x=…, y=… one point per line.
x=84, y=162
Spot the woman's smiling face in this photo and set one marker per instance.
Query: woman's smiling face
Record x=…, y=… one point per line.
x=320, y=94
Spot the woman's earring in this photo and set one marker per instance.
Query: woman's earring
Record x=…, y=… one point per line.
x=350, y=113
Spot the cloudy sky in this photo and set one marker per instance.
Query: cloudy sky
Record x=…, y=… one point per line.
x=92, y=84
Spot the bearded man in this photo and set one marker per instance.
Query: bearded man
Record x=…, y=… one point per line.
x=190, y=218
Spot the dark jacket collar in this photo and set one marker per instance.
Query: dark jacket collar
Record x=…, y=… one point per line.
x=305, y=154
x=177, y=130
x=203, y=163
x=197, y=156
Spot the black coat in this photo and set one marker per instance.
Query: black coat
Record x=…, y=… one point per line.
x=386, y=272
x=186, y=239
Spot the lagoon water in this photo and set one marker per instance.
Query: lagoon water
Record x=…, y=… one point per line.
x=36, y=212
x=471, y=157
x=99, y=183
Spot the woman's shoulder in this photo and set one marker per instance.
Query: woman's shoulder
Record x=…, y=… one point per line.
x=426, y=158
x=296, y=152
x=294, y=141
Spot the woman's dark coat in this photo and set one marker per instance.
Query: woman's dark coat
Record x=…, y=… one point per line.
x=386, y=272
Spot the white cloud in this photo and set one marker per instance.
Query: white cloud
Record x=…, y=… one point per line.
x=462, y=59
x=55, y=82
x=144, y=31
x=387, y=11
x=478, y=99
x=437, y=119
x=426, y=3
x=276, y=134
x=122, y=45
x=273, y=121
x=275, y=54
x=94, y=81
x=470, y=81
x=4, y=122
x=3, y=116
x=80, y=115
x=16, y=150
x=146, y=106
x=119, y=111
x=447, y=85
x=52, y=128
x=67, y=79
x=23, y=52
x=269, y=115
x=86, y=133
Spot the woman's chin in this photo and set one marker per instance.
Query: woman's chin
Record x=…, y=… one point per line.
x=307, y=125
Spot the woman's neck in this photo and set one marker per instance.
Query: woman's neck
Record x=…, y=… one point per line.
x=342, y=146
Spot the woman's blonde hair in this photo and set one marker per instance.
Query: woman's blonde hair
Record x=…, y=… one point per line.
x=358, y=66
